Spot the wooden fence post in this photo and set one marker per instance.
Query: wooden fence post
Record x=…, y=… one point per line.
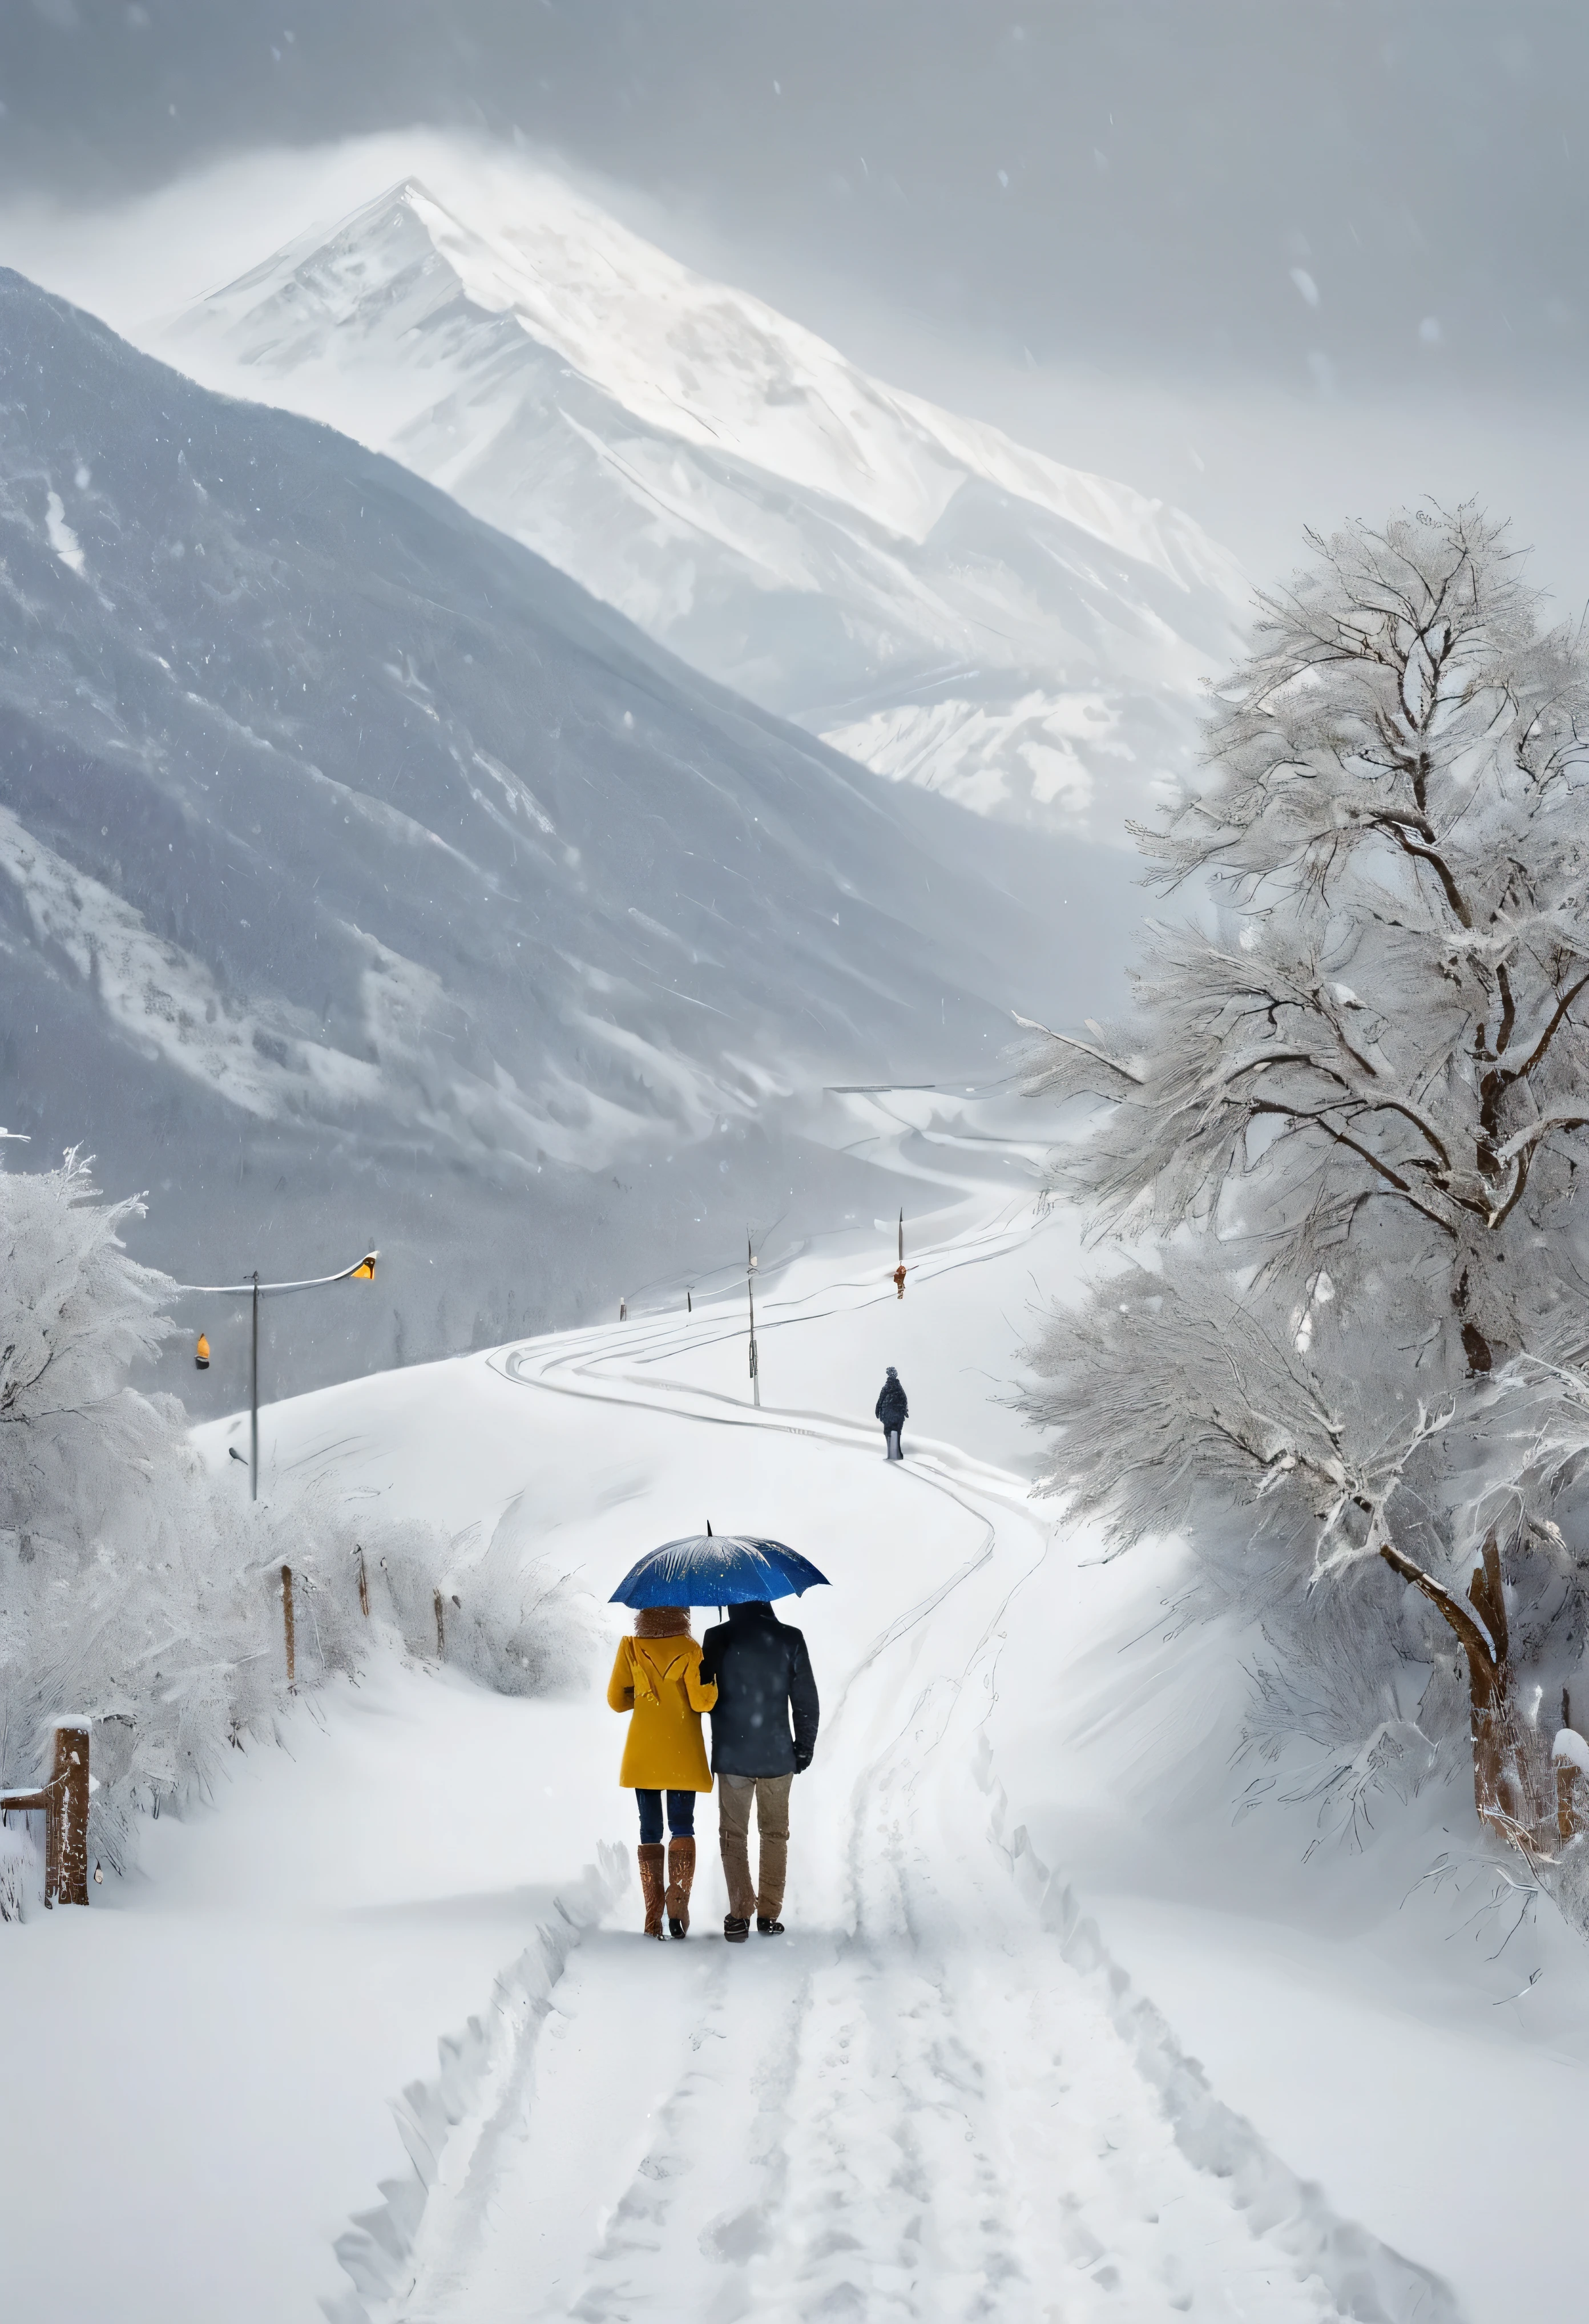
x=67, y=1879
x=64, y=1803
x=291, y=1639
x=440, y=1624
x=364, y=1583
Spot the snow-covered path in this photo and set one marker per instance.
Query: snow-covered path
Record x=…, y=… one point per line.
x=921, y=2103
x=936, y=2098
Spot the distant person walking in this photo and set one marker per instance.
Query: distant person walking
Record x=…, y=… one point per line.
x=760, y=1674
x=657, y=1679
x=893, y=1411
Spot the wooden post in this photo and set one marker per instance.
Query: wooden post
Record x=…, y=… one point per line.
x=364, y=1583
x=66, y=1879
x=440, y=1623
x=291, y=1637
x=64, y=1802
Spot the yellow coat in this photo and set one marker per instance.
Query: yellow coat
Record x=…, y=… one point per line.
x=659, y=1681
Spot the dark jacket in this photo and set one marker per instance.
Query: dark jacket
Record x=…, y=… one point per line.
x=891, y=1408
x=762, y=1675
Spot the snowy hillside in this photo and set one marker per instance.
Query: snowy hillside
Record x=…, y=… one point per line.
x=361, y=878
x=941, y=603
x=938, y=2096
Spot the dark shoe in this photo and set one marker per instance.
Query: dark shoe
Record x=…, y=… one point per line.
x=735, y=1931
x=768, y=1927
x=650, y=1886
x=680, y=1880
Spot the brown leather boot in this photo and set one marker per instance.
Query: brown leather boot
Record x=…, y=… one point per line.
x=651, y=1885
x=681, y=1875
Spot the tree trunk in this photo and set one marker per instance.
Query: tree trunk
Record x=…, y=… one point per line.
x=1514, y=1788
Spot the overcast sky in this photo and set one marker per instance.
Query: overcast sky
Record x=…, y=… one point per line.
x=1277, y=261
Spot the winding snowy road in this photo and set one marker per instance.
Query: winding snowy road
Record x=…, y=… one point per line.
x=934, y=2099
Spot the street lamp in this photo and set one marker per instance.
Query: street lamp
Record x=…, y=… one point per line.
x=363, y=1270
x=750, y=1285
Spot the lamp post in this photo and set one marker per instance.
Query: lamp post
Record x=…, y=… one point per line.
x=750, y=1285
x=363, y=1269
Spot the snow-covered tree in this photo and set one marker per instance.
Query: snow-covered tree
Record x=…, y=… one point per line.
x=140, y=1590
x=1343, y=1132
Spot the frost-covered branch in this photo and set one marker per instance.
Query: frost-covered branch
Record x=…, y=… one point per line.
x=1347, y=1124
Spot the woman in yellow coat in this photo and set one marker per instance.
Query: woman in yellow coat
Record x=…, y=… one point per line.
x=657, y=1679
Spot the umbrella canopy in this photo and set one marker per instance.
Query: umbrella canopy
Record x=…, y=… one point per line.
x=722, y=1569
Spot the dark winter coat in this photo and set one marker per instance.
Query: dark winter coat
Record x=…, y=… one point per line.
x=891, y=1408
x=762, y=1675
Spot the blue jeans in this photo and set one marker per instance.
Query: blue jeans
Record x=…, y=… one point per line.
x=681, y=1814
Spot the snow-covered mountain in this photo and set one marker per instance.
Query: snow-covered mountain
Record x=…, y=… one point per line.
x=938, y=601
x=359, y=876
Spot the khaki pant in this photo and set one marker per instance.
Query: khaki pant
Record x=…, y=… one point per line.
x=771, y=1795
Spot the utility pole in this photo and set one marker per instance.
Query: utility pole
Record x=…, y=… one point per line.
x=363, y=1269
x=253, y=1407
x=750, y=1285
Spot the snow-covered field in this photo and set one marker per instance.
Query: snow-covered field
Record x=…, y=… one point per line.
x=938, y=2096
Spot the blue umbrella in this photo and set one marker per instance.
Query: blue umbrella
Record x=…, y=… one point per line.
x=715, y=1569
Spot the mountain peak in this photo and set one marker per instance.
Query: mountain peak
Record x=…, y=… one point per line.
x=951, y=607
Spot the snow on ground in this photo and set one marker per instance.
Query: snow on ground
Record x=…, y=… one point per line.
x=1404, y=2022
x=937, y=2098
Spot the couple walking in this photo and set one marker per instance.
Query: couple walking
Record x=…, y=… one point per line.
x=752, y=1675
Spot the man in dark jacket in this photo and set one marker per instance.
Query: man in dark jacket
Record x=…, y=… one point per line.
x=893, y=1412
x=762, y=1675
